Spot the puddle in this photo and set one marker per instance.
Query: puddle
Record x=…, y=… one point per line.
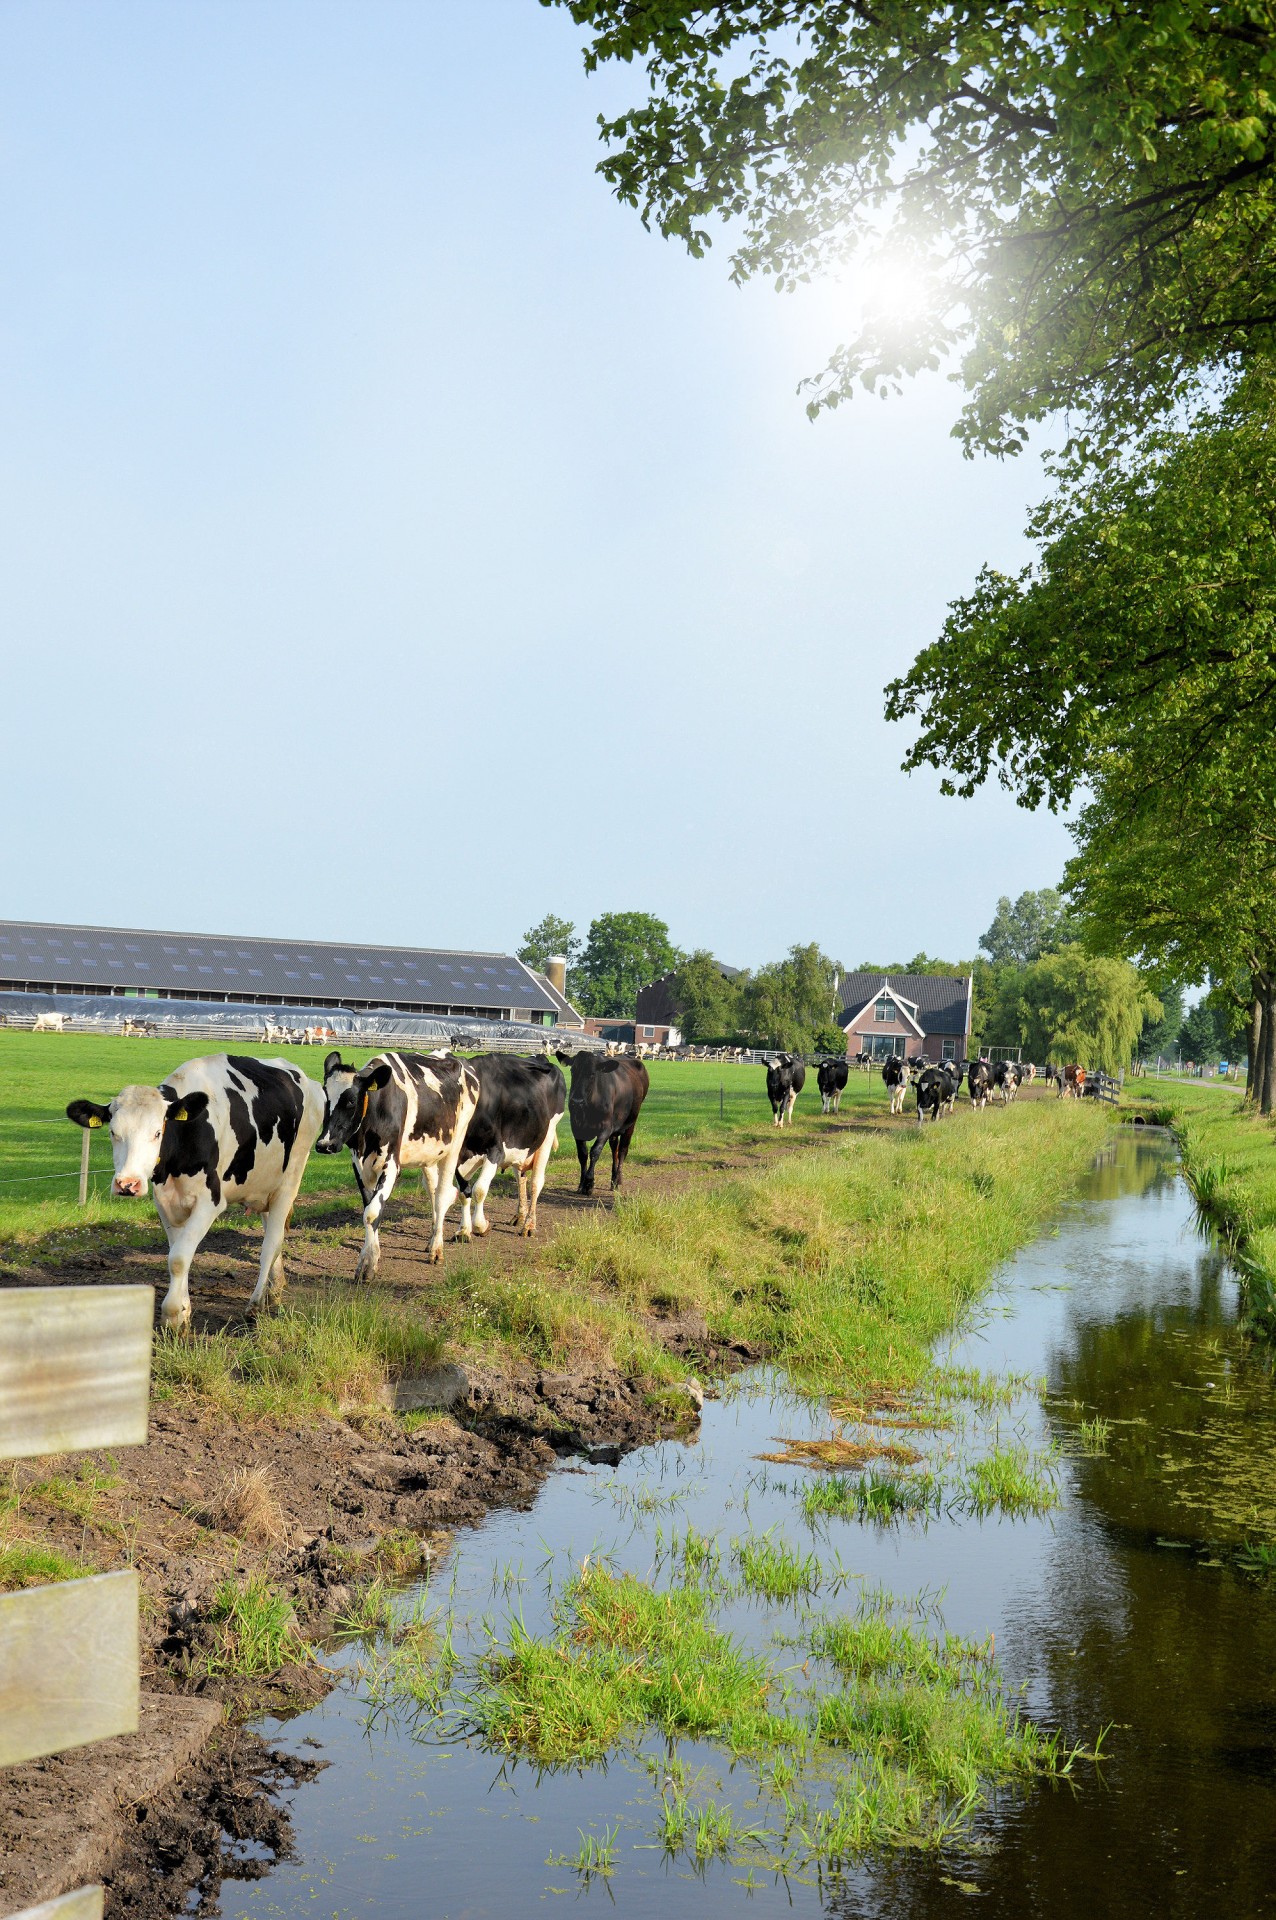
x=1130, y=1605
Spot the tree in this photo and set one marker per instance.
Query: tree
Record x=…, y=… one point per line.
x=707, y=1002
x=789, y=1004
x=1160, y=1036
x=623, y=952
x=1145, y=625
x=1074, y=1006
x=1078, y=199
x=1037, y=923
x=550, y=938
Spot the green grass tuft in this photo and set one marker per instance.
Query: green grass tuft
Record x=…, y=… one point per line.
x=258, y=1632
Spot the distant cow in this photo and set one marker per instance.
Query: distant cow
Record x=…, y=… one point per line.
x=932, y=1093
x=785, y=1079
x=515, y=1124
x=400, y=1110
x=953, y=1072
x=831, y=1080
x=977, y=1079
x=604, y=1103
x=49, y=1023
x=895, y=1074
x=222, y=1131
x=1072, y=1083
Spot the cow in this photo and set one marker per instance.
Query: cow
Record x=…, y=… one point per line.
x=977, y=1079
x=218, y=1132
x=399, y=1110
x=604, y=1103
x=895, y=1074
x=953, y=1071
x=831, y=1079
x=514, y=1125
x=49, y=1023
x=785, y=1079
x=1014, y=1079
x=1072, y=1083
x=932, y=1093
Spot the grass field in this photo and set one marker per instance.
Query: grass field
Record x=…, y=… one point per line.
x=689, y=1104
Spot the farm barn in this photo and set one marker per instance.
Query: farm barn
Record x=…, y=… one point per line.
x=71, y=964
x=906, y=1014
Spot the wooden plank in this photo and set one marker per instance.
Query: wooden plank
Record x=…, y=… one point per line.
x=84, y=1904
x=68, y=1665
x=75, y=1368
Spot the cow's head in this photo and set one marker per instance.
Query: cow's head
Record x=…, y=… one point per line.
x=137, y=1118
x=347, y=1091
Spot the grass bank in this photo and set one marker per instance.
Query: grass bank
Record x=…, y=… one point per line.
x=843, y=1265
x=1229, y=1161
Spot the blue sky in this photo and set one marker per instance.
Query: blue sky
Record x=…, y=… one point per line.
x=397, y=542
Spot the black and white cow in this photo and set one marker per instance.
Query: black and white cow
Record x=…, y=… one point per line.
x=977, y=1079
x=400, y=1110
x=932, y=1092
x=218, y=1132
x=514, y=1125
x=605, y=1101
x=831, y=1079
x=785, y=1079
x=895, y=1075
x=953, y=1072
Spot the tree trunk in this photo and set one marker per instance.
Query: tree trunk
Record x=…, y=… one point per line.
x=1267, y=1051
x=1253, y=1091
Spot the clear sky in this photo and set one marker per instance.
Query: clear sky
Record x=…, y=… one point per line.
x=397, y=542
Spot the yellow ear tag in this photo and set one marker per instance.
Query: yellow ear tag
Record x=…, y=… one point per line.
x=181, y=1114
x=94, y=1121
x=364, y=1108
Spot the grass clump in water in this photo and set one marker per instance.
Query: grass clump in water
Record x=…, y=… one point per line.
x=625, y=1658
x=879, y=1496
x=1011, y=1480
x=774, y=1571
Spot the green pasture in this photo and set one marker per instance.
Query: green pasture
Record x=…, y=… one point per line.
x=691, y=1106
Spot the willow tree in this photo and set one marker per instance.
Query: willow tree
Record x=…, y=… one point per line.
x=1074, y=1005
x=1079, y=202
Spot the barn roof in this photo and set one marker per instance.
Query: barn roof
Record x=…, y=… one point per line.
x=940, y=1000
x=301, y=971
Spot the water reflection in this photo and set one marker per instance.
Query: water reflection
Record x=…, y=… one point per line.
x=1127, y=1607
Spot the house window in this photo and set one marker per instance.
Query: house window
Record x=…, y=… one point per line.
x=885, y=1009
x=949, y=1050
x=649, y=1033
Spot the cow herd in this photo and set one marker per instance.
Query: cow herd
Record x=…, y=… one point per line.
x=230, y=1130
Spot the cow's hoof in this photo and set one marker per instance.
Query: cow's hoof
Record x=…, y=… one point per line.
x=462, y=1236
x=485, y=1228
x=528, y=1231
x=435, y=1256
x=176, y=1321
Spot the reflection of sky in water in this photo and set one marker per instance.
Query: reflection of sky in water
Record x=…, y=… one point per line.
x=1093, y=1618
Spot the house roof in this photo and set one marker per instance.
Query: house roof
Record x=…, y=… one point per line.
x=939, y=1002
x=322, y=972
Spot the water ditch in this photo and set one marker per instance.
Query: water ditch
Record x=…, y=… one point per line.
x=1140, y=1603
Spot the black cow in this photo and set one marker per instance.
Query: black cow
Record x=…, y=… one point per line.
x=400, y=1110
x=932, y=1092
x=604, y=1103
x=895, y=1074
x=785, y=1079
x=514, y=1125
x=223, y=1131
x=977, y=1078
x=831, y=1079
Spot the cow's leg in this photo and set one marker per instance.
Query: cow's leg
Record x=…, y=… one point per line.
x=487, y=1172
x=364, y=1194
x=464, y=1186
x=620, y=1152
x=446, y=1193
x=183, y=1243
x=270, y=1275
x=370, y=1252
x=534, y=1177
x=595, y=1154
x=586, y=1177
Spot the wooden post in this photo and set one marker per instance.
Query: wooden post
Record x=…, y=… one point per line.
x=86, y=1136
x=722, y=1102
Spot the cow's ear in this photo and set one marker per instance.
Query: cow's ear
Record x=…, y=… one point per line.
x=333, y=1064
x=187, y=1106
x=87, y=1113
x=565, y=1058
x=378, y=1076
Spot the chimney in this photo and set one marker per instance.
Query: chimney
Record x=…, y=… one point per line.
x=556, y=973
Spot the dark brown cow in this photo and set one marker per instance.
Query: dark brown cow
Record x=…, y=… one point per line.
x=603, y=1106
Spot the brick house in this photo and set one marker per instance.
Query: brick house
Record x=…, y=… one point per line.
x=907, y=1013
